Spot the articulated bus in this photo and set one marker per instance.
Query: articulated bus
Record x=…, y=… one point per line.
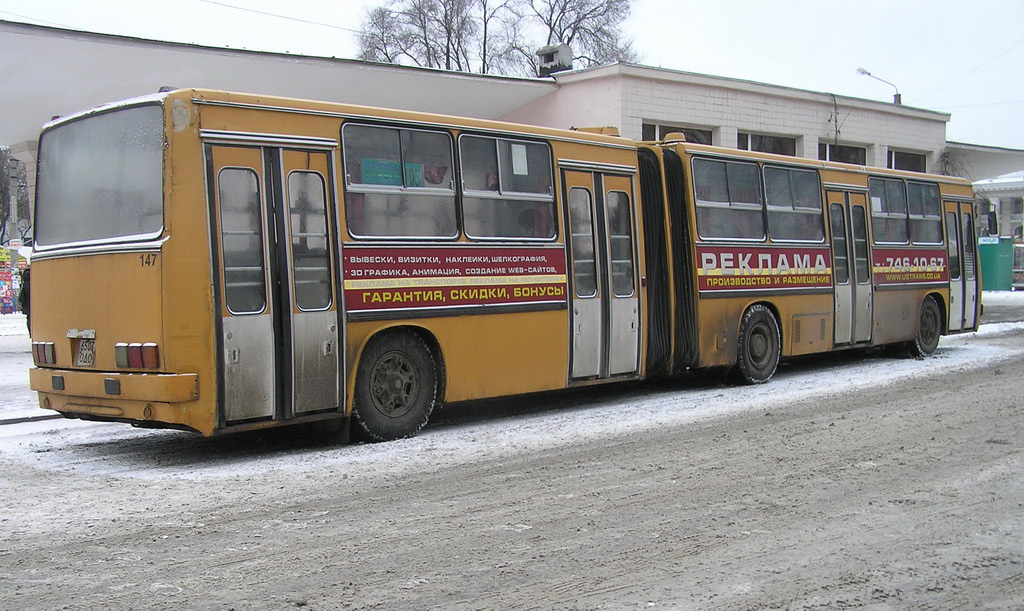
x=222, y=262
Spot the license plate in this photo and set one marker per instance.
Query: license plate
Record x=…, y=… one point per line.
x=86, y=353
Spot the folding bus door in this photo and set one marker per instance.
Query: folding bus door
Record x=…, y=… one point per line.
x=279, y=306
x=954, y=256
x=851, y=267
x=969, y=246
x=602, y=252
x=313, y=320
x=248, y=363
x=963, y=277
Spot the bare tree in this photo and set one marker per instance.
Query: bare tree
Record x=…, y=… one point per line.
x=19, y=188
x=428, y=33
x=500, y=39
x=13, y=190
x=953, y=163
x=493, y=36
x=5, y=192
x=383, y=37
x=591, y=28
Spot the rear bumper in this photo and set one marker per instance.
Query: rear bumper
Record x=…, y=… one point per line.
x=148, y=399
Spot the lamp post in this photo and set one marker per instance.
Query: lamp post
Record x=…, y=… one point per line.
x=897, y=98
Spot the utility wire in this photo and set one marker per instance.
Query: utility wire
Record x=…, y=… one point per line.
x=36, y=19
x=957, y=80
x=258, y=12
x=1010, y=103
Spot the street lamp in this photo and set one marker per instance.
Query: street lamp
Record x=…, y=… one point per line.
x=896, y=99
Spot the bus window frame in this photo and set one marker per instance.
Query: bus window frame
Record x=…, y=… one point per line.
x=262, y=239
x=627, y=207
x=819, y=211
x=924, y=217
x=550, y=198
x=730, y=205
x=329, y=239
x=114, y=242
x=351, y=188
x=889, y=215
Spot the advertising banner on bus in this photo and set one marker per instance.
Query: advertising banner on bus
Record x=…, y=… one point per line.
x=903, y=266
x=384, y=278
x=739, y=268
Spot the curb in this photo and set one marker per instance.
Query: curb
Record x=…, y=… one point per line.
x=4, y=421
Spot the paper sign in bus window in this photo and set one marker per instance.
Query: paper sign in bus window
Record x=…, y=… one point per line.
x=519, y=166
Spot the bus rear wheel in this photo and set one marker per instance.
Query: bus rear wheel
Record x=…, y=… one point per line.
x=396, y=387
x=760, y=346
x=929, y=330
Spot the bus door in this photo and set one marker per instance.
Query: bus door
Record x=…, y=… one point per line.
x=278, y=302
x=963, y=283
x=851, y=266
x=604, y=318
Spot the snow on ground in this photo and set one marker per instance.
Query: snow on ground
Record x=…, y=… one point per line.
x=16, y=399
x=1003, y=298
x=542, y=422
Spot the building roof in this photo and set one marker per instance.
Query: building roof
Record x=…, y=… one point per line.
x=681, y=76
x=1014, y=181
x=53, y=71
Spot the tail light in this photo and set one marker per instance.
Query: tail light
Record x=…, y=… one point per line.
x=150, y=356
x=44, y=353
x=137, y=355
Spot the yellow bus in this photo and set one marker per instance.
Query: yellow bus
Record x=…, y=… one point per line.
x=758, y=257
x=223, y=262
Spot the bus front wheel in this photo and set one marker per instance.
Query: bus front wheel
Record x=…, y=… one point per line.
x=760, y=346
x=396, y=387
x=929, y=330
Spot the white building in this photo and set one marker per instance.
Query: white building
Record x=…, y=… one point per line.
x=50, y=72
x=647, y=103
x=1006, y=194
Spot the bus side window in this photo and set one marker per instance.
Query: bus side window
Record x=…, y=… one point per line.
x=953, y=245
x=506, y=188
x=241, y=228
x=398, y=182
x=794, y=204
x=925, y=210
x=729, y=203
x=888, y=210
x=840, y=245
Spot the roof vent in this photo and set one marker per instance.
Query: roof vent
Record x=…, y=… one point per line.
x=554, y=58
x=606, y=130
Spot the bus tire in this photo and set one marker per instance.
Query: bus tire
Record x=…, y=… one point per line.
x=396, y=387
x=929, y=330
x=759, y=348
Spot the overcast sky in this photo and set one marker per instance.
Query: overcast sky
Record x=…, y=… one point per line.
x=964, y=58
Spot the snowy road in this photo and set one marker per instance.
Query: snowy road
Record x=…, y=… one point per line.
x=848, y=480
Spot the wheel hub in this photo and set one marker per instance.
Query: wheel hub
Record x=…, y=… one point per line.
x=393, y=385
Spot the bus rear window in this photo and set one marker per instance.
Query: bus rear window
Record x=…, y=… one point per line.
x=101, y=179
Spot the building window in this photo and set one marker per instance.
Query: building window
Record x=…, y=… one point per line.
x=899, y=160
x=766, y=144
x=842, y=153
x=695, y=135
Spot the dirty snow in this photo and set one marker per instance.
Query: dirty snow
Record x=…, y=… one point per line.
x=526, y=424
